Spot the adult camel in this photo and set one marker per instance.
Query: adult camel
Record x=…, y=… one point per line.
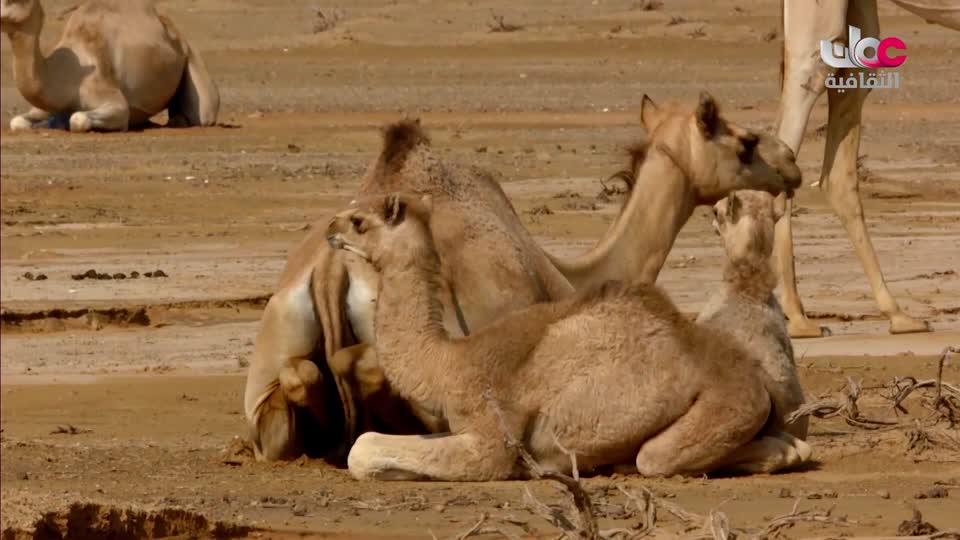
x=118, y=63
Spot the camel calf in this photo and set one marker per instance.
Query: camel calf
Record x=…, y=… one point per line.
x=615, y=375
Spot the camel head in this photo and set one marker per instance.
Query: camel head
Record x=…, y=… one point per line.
x=20, y=15
x=383, y=229
x=745, y=221
x=716, y=155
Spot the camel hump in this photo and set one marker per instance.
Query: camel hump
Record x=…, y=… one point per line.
x=401, y=138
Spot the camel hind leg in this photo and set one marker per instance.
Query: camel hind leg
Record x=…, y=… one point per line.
x=767, y=454
x=697, y=442
x=197, y=100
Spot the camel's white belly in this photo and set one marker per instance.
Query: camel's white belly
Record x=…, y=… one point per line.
x=361, y=306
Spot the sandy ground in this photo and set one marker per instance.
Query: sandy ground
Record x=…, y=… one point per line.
x=145, y=375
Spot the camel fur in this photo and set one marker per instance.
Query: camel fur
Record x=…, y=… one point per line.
x=614, y=375
x=490, y=263
x=746, y=305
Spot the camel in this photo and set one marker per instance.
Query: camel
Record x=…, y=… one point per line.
x=613, y=375
x=117, y=64
x=491, y=264
x=803, y=80
x=746, y=306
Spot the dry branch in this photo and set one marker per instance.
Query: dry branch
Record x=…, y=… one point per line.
x=587, y=528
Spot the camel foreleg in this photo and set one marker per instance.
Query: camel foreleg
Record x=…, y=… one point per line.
x=37, y=118
x=111, y=112
x=464, y=457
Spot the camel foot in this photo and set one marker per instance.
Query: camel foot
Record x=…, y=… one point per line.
x=802, y=327
x=54, y=121
x=80, y=122
x=20, y=123
x=901, y=323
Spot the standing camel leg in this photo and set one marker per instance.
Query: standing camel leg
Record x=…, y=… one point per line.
x=805, y=24
x=804, y=74
x=841, y=184
x=197, y=100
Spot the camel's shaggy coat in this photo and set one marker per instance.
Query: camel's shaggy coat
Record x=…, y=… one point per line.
x=614, y=375
x=489, y=263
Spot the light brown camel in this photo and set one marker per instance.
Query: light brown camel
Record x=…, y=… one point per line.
x=491, y=264
x=804, y=76
x=117, y=64
x=616, y=375
x=746, y=305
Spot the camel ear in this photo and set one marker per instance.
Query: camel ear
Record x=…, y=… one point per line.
x=393, y=210
x=734, y=206
x=708, y=115
x=398, y=206
x=649, y=114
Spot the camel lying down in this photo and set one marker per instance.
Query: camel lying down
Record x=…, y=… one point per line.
x=314, y=383
x=616, y=376
x=118, y=63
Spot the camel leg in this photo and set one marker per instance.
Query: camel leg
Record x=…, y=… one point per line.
x=465, y=457
x=767, y=454
x=197, y=100
x=111, y=114
x=841, y=183
x=359, y=364
x=840, y=180
x=804, y=77
x=302, y=384
x=701, y=439
x=280, y=368
x=32, y=119
x=274, y=431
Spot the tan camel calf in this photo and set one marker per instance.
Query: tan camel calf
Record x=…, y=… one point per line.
x=615, y=375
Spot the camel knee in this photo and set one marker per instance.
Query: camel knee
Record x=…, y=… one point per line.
x=297, y=379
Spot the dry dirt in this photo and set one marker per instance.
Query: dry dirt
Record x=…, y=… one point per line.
x=120, y=396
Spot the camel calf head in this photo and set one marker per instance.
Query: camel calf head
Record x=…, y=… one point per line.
x=745, y=221
x=378, y=227
x=716, y=154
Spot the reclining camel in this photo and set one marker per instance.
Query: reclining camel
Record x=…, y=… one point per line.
x=615, y=375
x=746, y=306
x=117, y=64
x=491, y=265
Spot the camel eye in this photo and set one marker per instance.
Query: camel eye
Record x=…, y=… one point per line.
x=357, y=223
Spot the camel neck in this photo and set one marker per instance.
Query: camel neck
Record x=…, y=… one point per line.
x=637, y=243
x=751, y=277
x=29, y=62
x=409, y=322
